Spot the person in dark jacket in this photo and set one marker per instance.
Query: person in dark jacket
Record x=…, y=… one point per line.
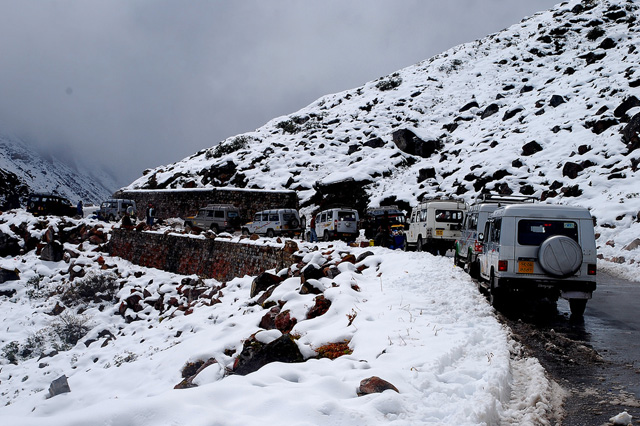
x=150, y=214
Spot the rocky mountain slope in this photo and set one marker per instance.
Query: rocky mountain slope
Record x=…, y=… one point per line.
x=23, y=170
x=548, y=107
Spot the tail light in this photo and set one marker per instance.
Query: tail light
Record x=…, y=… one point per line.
x=477, y=246
x=591, y=269
x=503, y=265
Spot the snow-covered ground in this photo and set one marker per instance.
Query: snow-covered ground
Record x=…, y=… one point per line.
x=412, y=319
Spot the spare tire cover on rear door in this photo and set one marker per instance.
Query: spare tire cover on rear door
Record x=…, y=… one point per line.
x=560, y=256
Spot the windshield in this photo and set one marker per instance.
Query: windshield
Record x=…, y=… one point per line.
x=534, y=232
x=454, y=216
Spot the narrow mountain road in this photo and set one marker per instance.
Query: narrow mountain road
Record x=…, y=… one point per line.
x=596, y=360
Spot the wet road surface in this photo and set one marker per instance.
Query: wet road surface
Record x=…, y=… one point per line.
x=597, y=360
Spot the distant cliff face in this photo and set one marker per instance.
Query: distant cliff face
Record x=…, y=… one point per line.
x=548, y=107
x=23, y=170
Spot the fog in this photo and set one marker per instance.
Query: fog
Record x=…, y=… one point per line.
x=131, y=85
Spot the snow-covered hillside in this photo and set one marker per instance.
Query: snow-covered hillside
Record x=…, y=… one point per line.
x=23, y=170
x=538, y=109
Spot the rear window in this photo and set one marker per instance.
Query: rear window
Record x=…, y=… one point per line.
x=534, y=232
x=346, y=216
x=453, y=216
x=232, y=214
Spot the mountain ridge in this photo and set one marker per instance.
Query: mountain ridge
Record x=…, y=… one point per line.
x=547, y=107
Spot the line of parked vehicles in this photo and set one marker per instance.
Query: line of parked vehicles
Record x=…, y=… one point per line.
x=507, y=243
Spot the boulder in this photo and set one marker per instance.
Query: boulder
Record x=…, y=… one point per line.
x=256, y=355
x=489, y=111
x=631, y=133
x=262, y=282
x=320, y=307
x=52, y=252
x=571, y=170
x=9, y=246
x=626, y=105
x=531, y=148
x=9, y=275
x=428, y=173
x=59, y=386
x=374, y=143
x=374, y=384
x=556, y=100
x=311, y=272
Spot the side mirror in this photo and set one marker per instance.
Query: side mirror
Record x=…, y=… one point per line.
x=481, y=237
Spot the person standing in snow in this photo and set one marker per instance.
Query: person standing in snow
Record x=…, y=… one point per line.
x=313, y=237
x=150, y=214
x=80, y=209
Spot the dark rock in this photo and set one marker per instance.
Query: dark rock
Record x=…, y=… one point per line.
x=428, y=173
x=531, y=148
x=572, y=191
x=517, y=163
x=571, y=170
x=472, y=104
x=600, y=126
x=311, y=287
x=526, y=89
x=583, y=149
x=631, y=133
x=311, y=272
x=556, y=100
x=607, y=43
x=256, y=355
x=52, y=252
x=626, y=105
x=320, y=307
x=8, y=275
x=592, y=57
x=489, y=111
x=284, y=322
x=59, y=386
x=512, y=113
x=9, y=246
x=331, y=272
x=374, y=143
x=374, y=384
x=189, y=375
x=262, y=282
x=349, y=192
x=268, y=321
x=353, y=149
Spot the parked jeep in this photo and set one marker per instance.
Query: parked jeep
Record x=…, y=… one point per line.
x=115, y=209
x=392, y=219
x=468, y=247
x=434, y=225
x=548, y=250
x=337, y=223
x=274, y=222
x=216, y=217
x=40, y=204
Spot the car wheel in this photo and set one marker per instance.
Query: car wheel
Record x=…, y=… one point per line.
x=326, y=236
x=245, y=231
x=405, y=246
x=496, y=294
x=295, y=223
x=270, y=233
x=456, y=259
x=419, y=245
x=111, y=218
x=214, y=228
x=577, y=307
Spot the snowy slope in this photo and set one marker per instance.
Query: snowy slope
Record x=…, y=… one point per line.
x=558, y=81
x=37, y=174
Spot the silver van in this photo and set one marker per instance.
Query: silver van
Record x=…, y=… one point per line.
x=547, y=249
x=337, y=223
x=274, y=222
x=115, y=208
x=216, y=217
x=468, y=247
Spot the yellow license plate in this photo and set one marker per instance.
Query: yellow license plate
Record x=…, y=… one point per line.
x=525, y=267
x=439, y=232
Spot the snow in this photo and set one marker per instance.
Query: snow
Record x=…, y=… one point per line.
x=412, y=319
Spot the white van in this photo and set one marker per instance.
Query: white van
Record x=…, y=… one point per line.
x=468, y=247
x=546, y=249
x=435, y=224
x=115, y=208
x=337, y=223
x=274, y=222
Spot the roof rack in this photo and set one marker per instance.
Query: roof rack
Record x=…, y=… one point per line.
x=505, y=199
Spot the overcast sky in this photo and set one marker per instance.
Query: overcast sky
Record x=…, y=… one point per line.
x=139, y=83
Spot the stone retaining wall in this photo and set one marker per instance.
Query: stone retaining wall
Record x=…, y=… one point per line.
x=186, y=202
x=209, y=258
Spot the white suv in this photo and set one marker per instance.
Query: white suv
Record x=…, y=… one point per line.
x=468, y=247
x=546, y=249
x=337, y=223
x=274, y=222
x=435, y=225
